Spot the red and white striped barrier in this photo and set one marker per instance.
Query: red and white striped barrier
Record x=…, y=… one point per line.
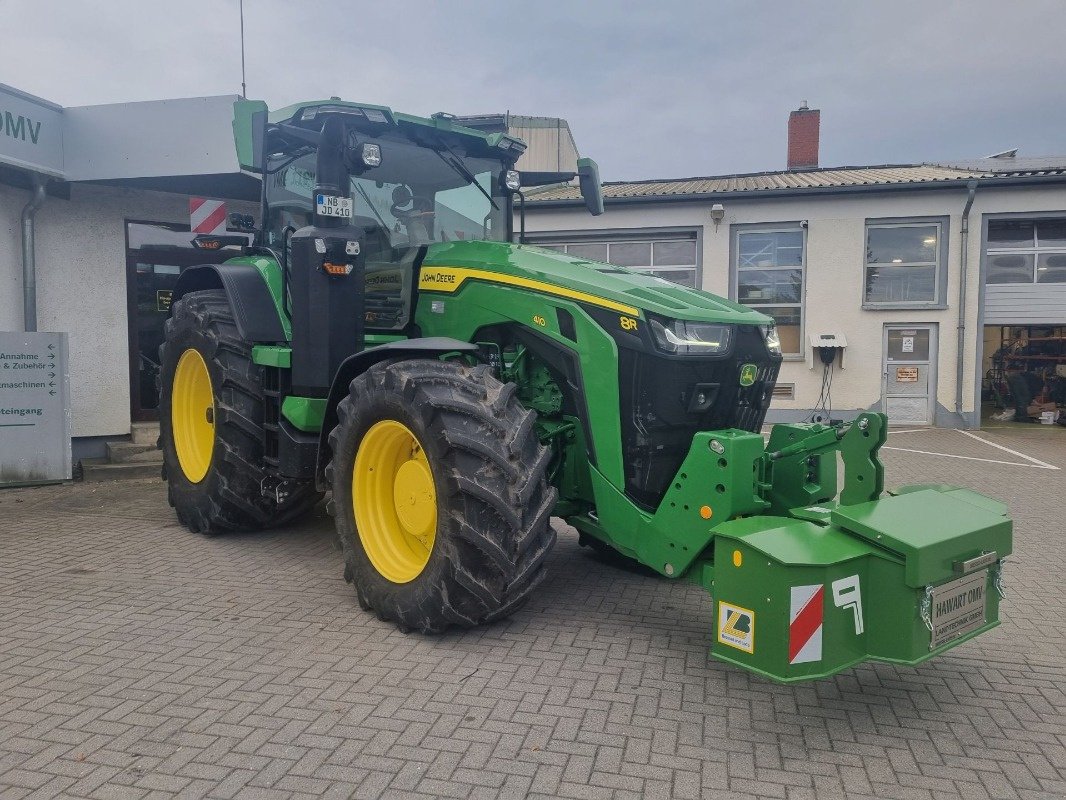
x=207, y=216
x=805, y=624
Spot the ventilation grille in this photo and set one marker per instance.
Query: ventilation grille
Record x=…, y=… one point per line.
x=785, y=391
x=753, y=401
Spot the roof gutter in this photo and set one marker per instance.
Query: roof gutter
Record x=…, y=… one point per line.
x=29, y=263
x=807, y=191
x=960, y=356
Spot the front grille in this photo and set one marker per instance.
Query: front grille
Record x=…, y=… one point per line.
x=660, y=413
x=755, y=399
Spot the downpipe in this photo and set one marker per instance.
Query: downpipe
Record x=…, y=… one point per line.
x=29, y=262
x=960, y=357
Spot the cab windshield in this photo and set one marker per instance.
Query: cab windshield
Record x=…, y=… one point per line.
x=419, y=195
x=416, y=197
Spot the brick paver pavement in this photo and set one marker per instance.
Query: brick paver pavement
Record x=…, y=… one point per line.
x=140, y=660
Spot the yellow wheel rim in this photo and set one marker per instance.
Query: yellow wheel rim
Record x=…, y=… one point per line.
x=192, y=415
x=395, y=501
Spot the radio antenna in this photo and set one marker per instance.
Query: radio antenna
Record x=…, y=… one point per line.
x=244, y=88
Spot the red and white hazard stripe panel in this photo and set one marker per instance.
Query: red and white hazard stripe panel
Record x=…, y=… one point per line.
x=207, y=216
x=805, y=624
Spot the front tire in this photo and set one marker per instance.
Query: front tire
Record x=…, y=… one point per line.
x=211, y=423
x=441, y=498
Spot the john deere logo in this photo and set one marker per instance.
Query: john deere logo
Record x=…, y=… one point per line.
x=748, y=373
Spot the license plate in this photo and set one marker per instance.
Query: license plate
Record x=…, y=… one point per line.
x=328, y=205
x=958, y=607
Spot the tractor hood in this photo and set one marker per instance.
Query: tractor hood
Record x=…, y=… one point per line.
x=606, y=281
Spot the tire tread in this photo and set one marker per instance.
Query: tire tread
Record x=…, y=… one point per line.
x=496, y=531
x=231, y=499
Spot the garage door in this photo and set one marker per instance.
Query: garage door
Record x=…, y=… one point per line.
x=1025, y=271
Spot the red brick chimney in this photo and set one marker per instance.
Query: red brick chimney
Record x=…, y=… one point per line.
x=803, y=124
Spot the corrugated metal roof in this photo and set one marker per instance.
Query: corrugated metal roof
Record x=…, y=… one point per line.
x=794, y=180
x=1026, y=165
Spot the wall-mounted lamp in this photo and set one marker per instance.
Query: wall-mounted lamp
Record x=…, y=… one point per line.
x=717, y=214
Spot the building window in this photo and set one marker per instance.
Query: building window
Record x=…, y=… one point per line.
x=769, y=277
x=903, y=263
x=1026, y=251
x=671, y=259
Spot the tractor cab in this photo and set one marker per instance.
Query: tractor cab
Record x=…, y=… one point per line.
x=400, y=183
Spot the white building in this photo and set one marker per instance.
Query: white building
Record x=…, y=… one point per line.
x=925, y=270
x=549, y=142
x=110, y=232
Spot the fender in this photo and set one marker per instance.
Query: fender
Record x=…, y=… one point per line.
x=253, y=306
x=355, y=365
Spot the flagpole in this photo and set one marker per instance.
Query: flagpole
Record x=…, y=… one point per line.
x=244, y=88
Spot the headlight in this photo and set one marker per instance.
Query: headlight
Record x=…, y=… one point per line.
x=512, y=180
x=682, y=337
x=773, y=341
x=371, y=154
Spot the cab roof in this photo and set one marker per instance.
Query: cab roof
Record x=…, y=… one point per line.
x=305, y=112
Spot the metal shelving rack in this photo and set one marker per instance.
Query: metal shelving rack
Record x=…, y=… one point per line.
x=1015, y=352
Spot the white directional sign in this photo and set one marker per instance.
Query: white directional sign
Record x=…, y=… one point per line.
x=34, y=408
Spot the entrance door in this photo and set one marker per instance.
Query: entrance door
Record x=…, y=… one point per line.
x=156, y=254
x=908, y=388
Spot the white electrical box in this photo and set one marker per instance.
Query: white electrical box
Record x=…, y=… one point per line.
x=819, y=340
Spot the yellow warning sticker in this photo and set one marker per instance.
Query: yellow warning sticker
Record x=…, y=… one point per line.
x=736, y=627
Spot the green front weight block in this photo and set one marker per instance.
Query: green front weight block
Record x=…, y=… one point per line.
x=885, y=580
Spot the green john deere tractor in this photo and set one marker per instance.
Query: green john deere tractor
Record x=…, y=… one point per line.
x=386, y=341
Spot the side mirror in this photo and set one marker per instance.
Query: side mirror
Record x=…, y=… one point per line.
x=249, y=128
x=588, y=173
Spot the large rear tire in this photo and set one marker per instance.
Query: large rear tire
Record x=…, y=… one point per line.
x=441, y=499
x=211, y=423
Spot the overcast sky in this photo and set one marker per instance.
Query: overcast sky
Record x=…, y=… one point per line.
x=651, y=89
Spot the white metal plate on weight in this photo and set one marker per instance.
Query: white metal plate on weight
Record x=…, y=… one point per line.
x=958, y=607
